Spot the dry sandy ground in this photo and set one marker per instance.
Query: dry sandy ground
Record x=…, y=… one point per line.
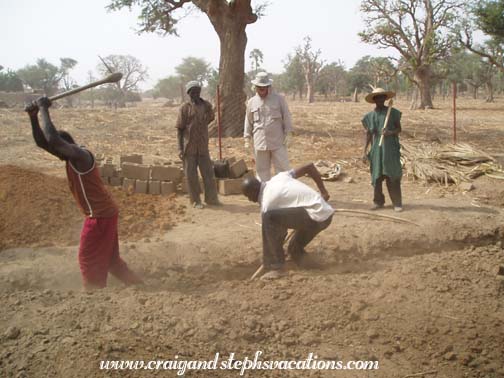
x=417, y=298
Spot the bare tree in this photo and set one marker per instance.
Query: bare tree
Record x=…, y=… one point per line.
x=312, y=64
x=229, y=19
x=419, y=30
x=133, y=73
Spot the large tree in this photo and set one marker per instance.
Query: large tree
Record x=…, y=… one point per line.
x=419, y=30
x=229, y=19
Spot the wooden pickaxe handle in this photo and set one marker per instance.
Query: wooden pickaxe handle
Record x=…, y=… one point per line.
x=386, y=122
x=112, y=78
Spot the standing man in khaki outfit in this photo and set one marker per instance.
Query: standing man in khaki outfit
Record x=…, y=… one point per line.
x=268, y=121
x=192, y=134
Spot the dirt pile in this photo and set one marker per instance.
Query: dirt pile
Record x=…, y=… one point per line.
x=38, y=210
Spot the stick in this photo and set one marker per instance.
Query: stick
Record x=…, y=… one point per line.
x=112, y=78
x=261, y=268
x=376, y=215
x=421, y=374
x=386, y=121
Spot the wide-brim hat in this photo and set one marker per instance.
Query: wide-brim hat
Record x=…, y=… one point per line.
x=262, y=79
x=192, y=84
x=379, y=92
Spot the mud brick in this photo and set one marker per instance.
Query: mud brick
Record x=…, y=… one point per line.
x=168, y=187
x=108, y=170
x=134, y=158
x=116, y=181
x=136, y=171
x=166, y=173
x=230, y=186
x=128, y=184
x=154, y=187
x=141, y=186
x=237, y=169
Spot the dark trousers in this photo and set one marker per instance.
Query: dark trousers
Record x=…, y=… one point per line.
x=191, y=164
x=275, y=224
x=394, y=189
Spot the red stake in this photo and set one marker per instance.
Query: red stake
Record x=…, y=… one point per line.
x=219, y=125
x=454, y=113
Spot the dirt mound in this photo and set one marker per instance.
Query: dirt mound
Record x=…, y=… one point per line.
x=38, y=210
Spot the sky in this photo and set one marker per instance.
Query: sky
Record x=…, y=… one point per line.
x=82, y=30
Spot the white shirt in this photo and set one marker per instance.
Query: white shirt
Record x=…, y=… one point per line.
x=284, y=191
x=268, y=120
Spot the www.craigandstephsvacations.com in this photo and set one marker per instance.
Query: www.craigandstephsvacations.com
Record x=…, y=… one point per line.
x=181, y=366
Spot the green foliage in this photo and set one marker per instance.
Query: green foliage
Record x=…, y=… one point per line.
x=10, y=82
x=293, y=79
x=332, y=79
x=371, y=71
x=156, y=16
x=193, y=68
x=44, y=76
x=168, y=87
x=257, y=57
x=490, y=17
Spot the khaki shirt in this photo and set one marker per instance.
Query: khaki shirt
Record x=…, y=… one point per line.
x=268, y=120
x=194, y=120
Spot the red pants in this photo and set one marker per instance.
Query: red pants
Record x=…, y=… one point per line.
x=99, y=254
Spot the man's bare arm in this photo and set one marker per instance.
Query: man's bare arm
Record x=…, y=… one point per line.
x=311, y=171
x=38, y=135
x=60, y=147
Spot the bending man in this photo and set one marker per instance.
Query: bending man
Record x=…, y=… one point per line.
x=287, y=203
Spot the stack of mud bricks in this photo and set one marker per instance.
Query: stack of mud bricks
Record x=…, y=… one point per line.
x=238, y=171
x=137, y=177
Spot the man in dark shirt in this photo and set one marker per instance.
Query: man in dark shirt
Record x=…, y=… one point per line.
x=192, y=132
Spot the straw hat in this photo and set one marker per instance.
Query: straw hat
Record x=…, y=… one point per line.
x=192, y=84
x=379, y=92
x=262, y=79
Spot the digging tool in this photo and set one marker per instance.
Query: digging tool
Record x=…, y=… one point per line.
x=112, y=78
x=386, y=121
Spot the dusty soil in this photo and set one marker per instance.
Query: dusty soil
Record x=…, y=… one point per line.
x=41, y=212
x=417, y=298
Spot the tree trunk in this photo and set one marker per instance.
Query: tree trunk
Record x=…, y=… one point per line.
x=231, y=78
x=474, y=92
x=422, y=78
x=355, y=97
x=490, y=92
x=230, y=20
x=310, y=86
